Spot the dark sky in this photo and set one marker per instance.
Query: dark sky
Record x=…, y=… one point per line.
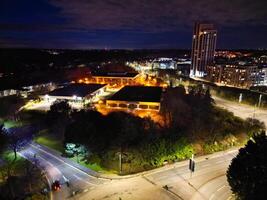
x=131, y=24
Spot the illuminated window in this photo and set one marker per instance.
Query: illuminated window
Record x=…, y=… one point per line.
x=122, y=105
x=143, y=106
x=154, y=107
x=132, y=106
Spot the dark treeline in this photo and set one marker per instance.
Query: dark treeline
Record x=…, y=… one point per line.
x=28, y=60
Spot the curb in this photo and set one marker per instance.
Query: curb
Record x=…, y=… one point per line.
x=119, y=177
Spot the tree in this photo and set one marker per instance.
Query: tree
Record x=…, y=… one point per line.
x=58, y=116
x=10, y=105
x=3, y=138
x=174, y=108
x=247, y=174
x=76, y=150
x=17, y=138
x=60, y=107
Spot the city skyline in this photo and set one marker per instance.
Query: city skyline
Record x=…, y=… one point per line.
x=131, y=25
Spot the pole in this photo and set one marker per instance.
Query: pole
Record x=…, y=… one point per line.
x=240, y=97
x=259, y=104
x=120, y=162
x=191, y=170
x=254, y=111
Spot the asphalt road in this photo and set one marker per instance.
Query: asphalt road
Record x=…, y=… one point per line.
x=57, y=169
x=242, y=110
x=206, y=183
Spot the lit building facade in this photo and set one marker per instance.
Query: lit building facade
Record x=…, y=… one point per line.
x=115, y=78
x=164, y=63
x=77, y=92
x=203, y=48
x=243, y=76
x=136, y=98
x=262, y=76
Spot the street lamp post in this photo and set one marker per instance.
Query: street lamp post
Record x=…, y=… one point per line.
x=259, y=104
x=240, y=97
x=120, y=164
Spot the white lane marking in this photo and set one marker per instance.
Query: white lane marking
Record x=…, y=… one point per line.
x=211, y=197
x=230, y=197
x=62, y=161
x=221, y=188
x=65, y=179
x=47, y=178
x=84, y=180
x=53, y=167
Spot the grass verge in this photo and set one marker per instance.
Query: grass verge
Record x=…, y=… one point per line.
x=46, y=139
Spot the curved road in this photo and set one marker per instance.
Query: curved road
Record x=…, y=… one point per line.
x=207, y=182
x=58, y=168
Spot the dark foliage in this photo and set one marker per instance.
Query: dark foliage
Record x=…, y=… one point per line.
x=3, y=138
x=58, y=117
x=247, y=174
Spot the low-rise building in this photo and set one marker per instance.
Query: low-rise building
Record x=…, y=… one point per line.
x=9, y=92
x=25, y=90
x=47, y=86
x=136, y=98
x=75, y=92
x=115, y=78
x=164, y=63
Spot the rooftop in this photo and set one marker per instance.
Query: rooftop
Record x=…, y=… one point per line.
x=138, y=93
x=79, y=90
x=116, y=74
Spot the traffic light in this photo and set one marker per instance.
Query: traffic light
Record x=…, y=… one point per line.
x=192, y=165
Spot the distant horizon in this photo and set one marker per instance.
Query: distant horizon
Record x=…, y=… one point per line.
x=124, y=49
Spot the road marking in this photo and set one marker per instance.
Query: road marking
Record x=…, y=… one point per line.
x=211, y=197
x=230, y=197
x=65, y=179
x=62, y=161
x=84, y=180
x=47, y=178
x=221, y=188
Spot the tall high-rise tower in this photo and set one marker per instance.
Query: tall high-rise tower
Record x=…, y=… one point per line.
x=203, y=48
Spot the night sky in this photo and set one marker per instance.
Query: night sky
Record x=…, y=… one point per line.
x=129, y=24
